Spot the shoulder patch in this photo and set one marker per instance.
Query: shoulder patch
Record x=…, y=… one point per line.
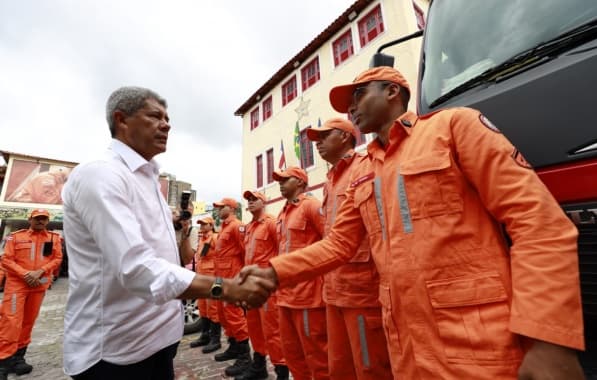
x=487, y=123
x=520, y=160
x=362, y=179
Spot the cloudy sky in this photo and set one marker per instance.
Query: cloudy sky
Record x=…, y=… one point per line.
x=59, y=61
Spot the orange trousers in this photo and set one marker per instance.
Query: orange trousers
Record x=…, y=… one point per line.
x=357, y=347
x=264, y=331
x=304, y=342
x=208, y=308
x=17, y=316
x=232, y=318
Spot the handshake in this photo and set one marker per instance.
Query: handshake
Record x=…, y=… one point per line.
x=251, y=287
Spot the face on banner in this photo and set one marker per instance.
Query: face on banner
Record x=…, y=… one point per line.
x=36, y=182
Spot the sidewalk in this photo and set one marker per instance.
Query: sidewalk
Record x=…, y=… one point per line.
x=45, y=350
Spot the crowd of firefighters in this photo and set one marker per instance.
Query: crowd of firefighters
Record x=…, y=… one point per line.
x=425, y=253
x=321, y=328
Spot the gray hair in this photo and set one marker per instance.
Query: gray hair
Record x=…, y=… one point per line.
x=129, y=100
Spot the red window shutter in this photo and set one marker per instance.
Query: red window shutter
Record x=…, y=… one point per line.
x=259, y=168
x=270, y=165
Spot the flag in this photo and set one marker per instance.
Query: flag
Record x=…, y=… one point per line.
x=282, y=162
x=297, y=141
x=319, y=123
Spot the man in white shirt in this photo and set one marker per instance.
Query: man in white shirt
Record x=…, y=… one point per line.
x=123, y=319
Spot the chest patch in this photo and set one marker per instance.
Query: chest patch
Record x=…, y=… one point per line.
x=362, y=179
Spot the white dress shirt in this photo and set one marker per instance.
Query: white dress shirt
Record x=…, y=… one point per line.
x=124, y=268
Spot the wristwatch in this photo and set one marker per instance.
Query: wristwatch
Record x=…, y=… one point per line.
x=216, y=289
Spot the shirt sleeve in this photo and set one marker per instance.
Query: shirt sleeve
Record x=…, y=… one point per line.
x=101, y=199
x=337, y=248
x=316, y=216
x=546, y=302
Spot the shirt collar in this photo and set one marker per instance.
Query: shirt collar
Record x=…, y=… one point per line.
x=341, y=164
x=403, y=125
x=132, y=159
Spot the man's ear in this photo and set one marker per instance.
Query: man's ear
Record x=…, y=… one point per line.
x=393, y=91
x=119, y=121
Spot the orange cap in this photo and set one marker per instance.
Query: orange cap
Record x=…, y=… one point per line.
x=333, y=123
x=226, y=202
x=292, y=171
x=341, y=96
x=39, y=212
x=206, y=220
x=259, y=195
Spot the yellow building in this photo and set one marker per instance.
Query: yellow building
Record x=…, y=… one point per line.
x=296, y=96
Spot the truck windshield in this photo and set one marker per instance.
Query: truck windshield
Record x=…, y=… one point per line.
x=465, y=39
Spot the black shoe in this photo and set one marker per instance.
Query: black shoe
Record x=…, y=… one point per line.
x=5, y=366
x=215, y=334
x=240, y=366
x=257, y=371
x=234, y=350
x=204, y=338
x=281, y=372
x=20, y=366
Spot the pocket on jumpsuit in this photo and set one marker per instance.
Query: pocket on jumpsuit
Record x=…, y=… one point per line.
x=472, y=317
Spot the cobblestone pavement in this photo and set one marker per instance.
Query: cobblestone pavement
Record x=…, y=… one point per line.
x=45, y=350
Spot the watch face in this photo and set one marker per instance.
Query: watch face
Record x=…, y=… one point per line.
x=216, y=291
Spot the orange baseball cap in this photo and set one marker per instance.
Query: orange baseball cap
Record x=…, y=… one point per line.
x=341, y=96
x=206, y=220
x=333, y=123
x=259, y=195
x=292, y=171
x=226, y=202
x=40, y=212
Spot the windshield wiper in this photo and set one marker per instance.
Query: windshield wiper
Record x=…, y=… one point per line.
x=524, y=60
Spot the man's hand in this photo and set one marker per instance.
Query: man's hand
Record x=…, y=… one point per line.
x=550, y=362
x=254, y=270
x=33, y=278
x=253, y=292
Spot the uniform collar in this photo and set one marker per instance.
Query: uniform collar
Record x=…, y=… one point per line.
x=229, y=219
x=341, y=165
x=295, y=201
x=403, y=126
x=132, y=159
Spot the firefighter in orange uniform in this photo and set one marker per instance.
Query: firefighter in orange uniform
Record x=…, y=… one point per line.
x=302, y=310
x=357, y=346
x=229, y=260
x=261, y=244
x=30, y=258
x=434, y=198
x=205, y=264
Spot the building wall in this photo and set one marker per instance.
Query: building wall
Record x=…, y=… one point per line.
x=399, y=19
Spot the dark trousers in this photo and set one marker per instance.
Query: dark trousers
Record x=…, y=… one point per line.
x=158, y=366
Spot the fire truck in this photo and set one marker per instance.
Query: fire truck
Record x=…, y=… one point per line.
x=531, y=68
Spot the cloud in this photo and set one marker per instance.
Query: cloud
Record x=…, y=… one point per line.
x=61, y=59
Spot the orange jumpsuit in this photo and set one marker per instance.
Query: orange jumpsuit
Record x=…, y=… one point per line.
x=24, y=252
x=229, y=260
x=302, y=311
x=2, y=274
x=264, y=331
x=356, y=341
x=455, y=297
x=206, y=265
